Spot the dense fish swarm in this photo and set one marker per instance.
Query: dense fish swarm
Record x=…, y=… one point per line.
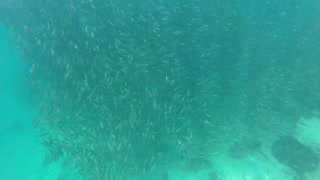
x=124, y=87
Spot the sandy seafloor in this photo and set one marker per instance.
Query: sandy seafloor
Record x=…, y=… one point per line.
x=22, y=154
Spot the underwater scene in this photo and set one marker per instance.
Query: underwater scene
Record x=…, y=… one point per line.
x=159, y=90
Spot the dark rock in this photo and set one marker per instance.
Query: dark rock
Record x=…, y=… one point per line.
x=290, y=152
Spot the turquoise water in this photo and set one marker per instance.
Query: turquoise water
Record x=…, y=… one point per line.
x=19, y=149
x=161, y=90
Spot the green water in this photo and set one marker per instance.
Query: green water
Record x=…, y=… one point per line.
x=159, y=89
